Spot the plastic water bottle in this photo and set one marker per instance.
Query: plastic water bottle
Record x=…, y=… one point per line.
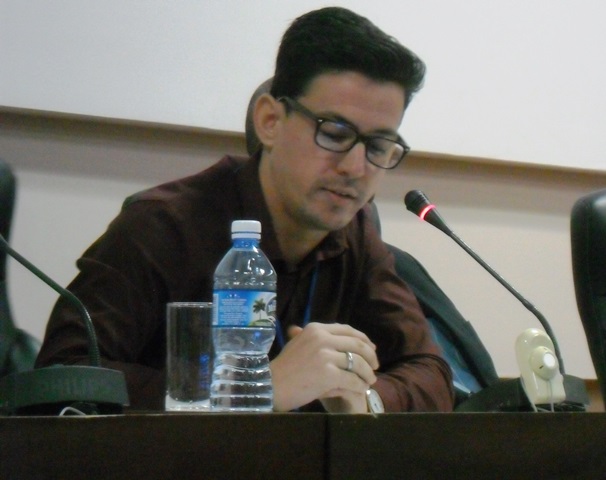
x=244, y=316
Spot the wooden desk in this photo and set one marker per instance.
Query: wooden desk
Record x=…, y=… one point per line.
x=468, y=446
x=163, y=447
x=306, y=446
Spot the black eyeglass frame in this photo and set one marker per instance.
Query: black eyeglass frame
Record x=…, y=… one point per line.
x=359, y=138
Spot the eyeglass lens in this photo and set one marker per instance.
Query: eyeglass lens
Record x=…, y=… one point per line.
x=339, y=137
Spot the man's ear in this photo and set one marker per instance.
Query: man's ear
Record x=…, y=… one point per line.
x=266, y=116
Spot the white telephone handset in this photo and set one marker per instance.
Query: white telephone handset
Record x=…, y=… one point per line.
x=539, y=367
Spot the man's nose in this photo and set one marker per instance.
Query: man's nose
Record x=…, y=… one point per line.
x=353, y=163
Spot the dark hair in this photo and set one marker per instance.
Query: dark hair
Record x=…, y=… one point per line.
x=335, y=39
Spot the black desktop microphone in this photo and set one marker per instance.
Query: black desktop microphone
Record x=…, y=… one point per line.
x=418, y=203
x=89, y=388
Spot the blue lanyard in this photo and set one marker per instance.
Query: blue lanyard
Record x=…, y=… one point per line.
x=306, y=316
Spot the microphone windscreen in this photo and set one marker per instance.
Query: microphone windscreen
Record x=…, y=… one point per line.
x=416, y=201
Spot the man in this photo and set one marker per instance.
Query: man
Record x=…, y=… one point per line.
x=346, y=321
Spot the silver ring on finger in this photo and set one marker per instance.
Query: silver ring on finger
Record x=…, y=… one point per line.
x=350, y=361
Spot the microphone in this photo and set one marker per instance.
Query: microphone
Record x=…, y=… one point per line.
x=88, y=388
x=418, y=203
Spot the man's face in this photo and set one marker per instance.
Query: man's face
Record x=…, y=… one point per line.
x=310, y=188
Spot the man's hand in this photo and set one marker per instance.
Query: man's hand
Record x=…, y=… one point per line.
x=313, y=365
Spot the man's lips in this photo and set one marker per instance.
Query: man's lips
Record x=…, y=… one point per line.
x=346, y=193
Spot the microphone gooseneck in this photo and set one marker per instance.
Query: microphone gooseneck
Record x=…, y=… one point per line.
x=93, y=347
x=418, y=203
x=91, y=388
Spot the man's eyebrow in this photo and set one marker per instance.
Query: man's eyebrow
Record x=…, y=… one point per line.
x=340, y=119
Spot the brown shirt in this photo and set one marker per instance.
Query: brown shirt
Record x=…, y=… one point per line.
x=164, y=246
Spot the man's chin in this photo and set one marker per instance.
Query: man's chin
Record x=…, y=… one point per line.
x=329, y=217
x=332, y=222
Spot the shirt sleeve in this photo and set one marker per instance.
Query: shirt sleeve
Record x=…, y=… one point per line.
x=124, y=280
x=413, y=376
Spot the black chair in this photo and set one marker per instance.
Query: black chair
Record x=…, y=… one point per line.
x=472, y=366
x=588, y=248
x=18, y=349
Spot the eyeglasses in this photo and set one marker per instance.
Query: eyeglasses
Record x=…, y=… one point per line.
x=340, y=137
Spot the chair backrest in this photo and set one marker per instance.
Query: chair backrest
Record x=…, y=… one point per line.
x=18, y=349
x=252, y=141
x=7, y=203
x=588, y=248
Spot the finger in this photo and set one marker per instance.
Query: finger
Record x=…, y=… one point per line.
x=359, y=366
x=343, y=401
x=347, y=382
x=344, y=330
x=362, y=349
x=293, y=331
x=345, y=338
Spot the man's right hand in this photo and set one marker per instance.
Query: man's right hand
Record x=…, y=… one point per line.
x=313, y=365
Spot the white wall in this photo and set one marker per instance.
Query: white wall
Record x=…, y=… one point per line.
x=73, y=178
x=514, y=80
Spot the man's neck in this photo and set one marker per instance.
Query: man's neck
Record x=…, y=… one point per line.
x=296, y=245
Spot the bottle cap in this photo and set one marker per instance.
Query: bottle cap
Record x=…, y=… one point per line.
x=246, y=229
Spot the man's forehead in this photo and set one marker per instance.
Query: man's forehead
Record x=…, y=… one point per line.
x=358, y=100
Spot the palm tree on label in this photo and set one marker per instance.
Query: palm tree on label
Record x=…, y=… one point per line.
x=259, y=306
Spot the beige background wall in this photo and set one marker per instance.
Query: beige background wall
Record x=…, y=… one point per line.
x=73, y=174
x=514, y=80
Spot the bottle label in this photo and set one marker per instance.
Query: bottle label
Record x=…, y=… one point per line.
x=249, y=308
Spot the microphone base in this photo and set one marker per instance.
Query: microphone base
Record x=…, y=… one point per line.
x=508, y=396
x=47, y=391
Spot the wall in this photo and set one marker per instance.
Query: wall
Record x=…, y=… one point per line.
x=514, y=80
x=74, y=172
